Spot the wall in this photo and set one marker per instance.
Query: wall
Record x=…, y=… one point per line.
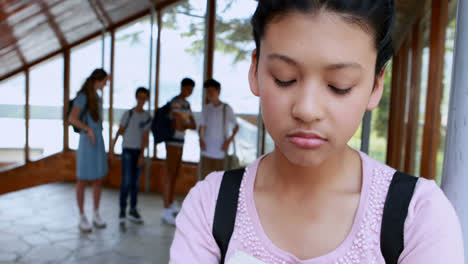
x=61, y=168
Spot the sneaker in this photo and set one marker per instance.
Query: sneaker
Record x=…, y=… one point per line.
x=135, y=217
x=175, y=207
x=168, y=217
x=84, y=224
x=97, y=221
x=122, y=216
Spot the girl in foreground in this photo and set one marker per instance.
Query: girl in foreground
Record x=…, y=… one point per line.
x=318, y=66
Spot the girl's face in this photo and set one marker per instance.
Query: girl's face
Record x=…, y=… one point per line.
x=101, y=84
x=315, y=79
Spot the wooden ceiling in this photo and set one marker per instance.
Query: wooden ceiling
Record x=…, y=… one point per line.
x=34, y=30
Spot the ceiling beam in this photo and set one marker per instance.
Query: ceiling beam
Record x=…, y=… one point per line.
x=105, y=24
x=53, y=24
x=10, y=34
x=159, y=5
x=104, y=13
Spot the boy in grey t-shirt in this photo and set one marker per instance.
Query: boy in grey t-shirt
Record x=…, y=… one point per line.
x=134, y=126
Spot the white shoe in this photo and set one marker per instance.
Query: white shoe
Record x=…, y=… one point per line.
x=168, y=217
x=84, y=224
x=97, y=221
x=175, y=207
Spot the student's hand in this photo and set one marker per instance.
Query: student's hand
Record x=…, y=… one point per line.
x=141, y=161
x=91, y=136
x=225, y=146
x=202, y=144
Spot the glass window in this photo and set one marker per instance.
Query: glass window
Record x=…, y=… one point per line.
x=83, y=60
x=132, y=55
x=12, y=120
x=234, y=45
x=423, y=98
x=182, y=40
x=46, y=108
x=444, y=107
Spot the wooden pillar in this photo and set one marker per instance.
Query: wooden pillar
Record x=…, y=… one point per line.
x=210, y=21
x=393, y=113
x=27, y=157
x=66, y=97
x=111, y=86
x=399, y=152
x=434, y=89
x=157, y=75
x=210, y=42
x=413, y=116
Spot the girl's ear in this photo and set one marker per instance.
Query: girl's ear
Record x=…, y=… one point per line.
x=377, y=92
x=253, y=73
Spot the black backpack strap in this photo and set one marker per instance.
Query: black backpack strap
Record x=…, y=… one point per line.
x=130, y=113
x=395, y=211
x=226, y=209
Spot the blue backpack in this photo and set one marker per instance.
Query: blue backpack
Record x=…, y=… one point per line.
x=161, y=126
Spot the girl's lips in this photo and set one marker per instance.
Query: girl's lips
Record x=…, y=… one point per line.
x=307, y=140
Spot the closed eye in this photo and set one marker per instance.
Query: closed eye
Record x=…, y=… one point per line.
x=338, y=90
x=284, y=84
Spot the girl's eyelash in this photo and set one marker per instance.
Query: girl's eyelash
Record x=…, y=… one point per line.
x=284, y=84
x=339, y=91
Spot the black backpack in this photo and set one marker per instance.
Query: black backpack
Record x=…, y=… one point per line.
x=82, y=116
x=396, y=205
x=161, y=126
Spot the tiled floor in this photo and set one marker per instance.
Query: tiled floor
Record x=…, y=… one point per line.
x=39, y=225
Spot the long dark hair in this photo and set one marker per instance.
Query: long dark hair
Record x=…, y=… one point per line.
x=89, y=90
x=376, y=15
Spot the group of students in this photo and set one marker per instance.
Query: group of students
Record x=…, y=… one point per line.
x=92, y=165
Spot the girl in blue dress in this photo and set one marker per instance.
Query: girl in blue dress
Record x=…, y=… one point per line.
x=91, y=159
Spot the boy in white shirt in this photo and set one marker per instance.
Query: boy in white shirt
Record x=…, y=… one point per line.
x=216, y=119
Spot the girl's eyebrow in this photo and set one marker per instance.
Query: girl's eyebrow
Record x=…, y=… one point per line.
x=283, y=58
x=337, y=66
x=340, y=66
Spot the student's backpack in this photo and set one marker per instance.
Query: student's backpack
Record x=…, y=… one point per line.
x=82, y=116
x=161, y=126
x=396, y=205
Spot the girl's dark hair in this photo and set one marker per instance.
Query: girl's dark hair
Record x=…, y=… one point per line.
x=90, y=91
x=376, y=16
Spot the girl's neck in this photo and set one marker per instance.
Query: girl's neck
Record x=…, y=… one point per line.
x=341, y=172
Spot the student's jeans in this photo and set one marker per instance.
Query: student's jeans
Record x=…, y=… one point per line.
x=130, y=177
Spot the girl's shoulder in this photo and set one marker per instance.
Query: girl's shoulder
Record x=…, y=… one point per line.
x=428, y=202
x=80, y=100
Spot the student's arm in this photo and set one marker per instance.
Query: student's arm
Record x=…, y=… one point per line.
x=74, y=118
x=201, y=130
x=144, y=144
x=232, y=119
x=432, y=230
x=191, y=124
x=121, y=131
x=193, y=239
x=201, y=135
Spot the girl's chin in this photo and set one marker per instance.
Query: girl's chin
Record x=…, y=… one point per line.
x=301, y=158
